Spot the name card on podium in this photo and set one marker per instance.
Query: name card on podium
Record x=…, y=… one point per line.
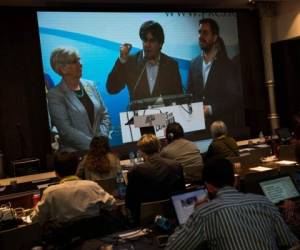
x=190, y=116
x=150, y=120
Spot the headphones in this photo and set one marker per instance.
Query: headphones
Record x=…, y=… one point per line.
x=174, y=131
x=170, y=136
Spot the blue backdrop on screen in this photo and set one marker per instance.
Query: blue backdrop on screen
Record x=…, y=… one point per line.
x=98, y=36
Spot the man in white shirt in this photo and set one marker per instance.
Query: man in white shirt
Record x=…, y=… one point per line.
x=72, y=198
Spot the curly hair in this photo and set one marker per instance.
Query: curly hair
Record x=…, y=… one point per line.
x=96, y=159
x=149, y=144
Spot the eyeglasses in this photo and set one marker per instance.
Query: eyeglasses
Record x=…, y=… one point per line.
x=73, y=61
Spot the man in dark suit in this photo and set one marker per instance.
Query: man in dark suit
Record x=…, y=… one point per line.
x=211, y=77
x=149, y=73
x=156, y=179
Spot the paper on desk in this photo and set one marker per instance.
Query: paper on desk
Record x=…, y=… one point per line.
x=41, y=180
x=41, y=186
x=246, y=149
x=134, y=234
x=27, y=219
x=261, y=146
x=284, y=162
x=260, y=169
x=2, y=188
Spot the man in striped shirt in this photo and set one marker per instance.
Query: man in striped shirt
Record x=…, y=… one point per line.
x=232, y=220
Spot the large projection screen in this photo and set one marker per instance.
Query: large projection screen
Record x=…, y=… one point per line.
x=98, y=36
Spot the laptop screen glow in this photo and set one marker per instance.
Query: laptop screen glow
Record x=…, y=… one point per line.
x=279, y=189
x=184, y=203
x=203, y=145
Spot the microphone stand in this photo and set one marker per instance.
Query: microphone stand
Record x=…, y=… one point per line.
x=129, y=122
x=139, y=79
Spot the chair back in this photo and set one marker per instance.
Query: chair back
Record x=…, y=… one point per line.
x=149, y=210
x=287, y=152
x=245, y=159
x=251, y=158
x=250, y=183
x=21, y=237
x=109, y=185
x=284, y=134
x=290, y=170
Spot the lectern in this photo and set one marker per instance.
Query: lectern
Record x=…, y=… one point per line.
x=190, y=116
x=148, y=123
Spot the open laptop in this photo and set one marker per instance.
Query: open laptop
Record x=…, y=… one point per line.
x=284, y=134
x=203, y=145
x=279, y=189
x=184, y=203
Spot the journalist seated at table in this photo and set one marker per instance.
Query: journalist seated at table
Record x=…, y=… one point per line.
x=71, y=199
x=222, y=145
x=99, y=163
x=156, y=179
x=231, y=219
x=183, y=151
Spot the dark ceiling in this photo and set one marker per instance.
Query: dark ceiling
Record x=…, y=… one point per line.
x=215, y=4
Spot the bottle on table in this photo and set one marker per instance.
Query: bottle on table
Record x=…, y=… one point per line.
x=132, y=157
x=121, y=187
x=162, y=222
x=261, y=137
x=35, y=199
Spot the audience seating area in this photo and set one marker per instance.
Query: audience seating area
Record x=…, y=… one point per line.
x=29, y=235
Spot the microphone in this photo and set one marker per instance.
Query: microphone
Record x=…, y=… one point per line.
x=130, y=121
x=190, y=108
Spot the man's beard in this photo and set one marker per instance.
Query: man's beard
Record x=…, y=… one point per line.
x=206, y=47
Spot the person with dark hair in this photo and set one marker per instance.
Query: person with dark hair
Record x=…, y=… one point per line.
x=184, y=152
x=72, y=198
x=149, y=73
x=222, y=145
x=230, y=219
x=99, y=163
x=211, y=77
x=76, y=107
x=156, y=179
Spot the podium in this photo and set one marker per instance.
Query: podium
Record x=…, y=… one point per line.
x=190, y=116
x=148, y=123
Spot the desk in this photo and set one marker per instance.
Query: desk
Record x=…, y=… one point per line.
x=21, y=237
x=20, y=194
x=249, y=179
x=147, y=242
x=27, y=178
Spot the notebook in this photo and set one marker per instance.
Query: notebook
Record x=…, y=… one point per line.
x=279, y=189
x=184, y=203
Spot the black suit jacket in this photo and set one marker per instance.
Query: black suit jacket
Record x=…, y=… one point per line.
x=222, y=90
x=155, y=179
x=168, y=81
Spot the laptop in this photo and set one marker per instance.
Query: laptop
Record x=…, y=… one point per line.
x=284, y=134
x=184, y=203
x=203, y=145
x=279, y=189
